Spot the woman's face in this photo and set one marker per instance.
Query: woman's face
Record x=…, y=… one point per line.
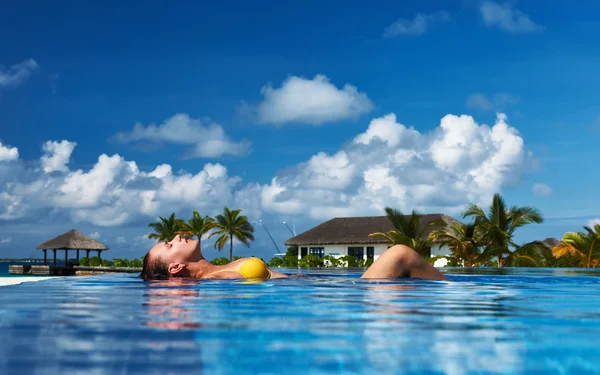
x=179, y=250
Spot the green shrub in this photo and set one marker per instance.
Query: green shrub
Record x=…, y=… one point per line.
x=289, y=260
x=84, y=262
x=365, y=263
x=311, y=260
x=220, y=261
x=276, y=262
x=118, y=262
x=106, y=263
x=331, y=261
x=349, y=261
x=136, y=263
x=95, y=261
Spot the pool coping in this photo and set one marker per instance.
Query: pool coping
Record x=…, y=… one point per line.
x=6, y=281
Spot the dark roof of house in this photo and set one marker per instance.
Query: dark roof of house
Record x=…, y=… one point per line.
x=552, y=242
x=72, y=240
x=355, y=230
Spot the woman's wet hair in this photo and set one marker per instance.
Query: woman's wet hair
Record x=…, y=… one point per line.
x=154, y=269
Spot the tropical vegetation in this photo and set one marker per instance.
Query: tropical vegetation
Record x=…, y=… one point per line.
x=197, y=226
x=488, y=240
x=581, y=248
x=408, y=230
x=166, y=229
x=229, y=225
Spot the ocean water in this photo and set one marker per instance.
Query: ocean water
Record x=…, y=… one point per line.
x=331, y=322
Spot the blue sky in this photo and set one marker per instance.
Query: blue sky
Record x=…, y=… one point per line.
x=274, y=108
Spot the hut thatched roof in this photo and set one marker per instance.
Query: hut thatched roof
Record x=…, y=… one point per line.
x=355, y=230
x=72, y=240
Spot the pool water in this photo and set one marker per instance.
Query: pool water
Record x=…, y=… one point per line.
x=332, y=322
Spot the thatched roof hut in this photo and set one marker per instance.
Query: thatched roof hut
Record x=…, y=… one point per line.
x=71, y=240
x=355, y=230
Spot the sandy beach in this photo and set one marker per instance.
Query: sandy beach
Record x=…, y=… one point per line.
x=4, y=281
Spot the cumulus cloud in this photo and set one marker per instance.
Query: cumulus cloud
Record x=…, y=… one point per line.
x=112, y=192
x=18, y=73
x=418, y=25
x=541, y=190
x=8, y=153
x=205, y=139
x=388, y=163
x=57, y=155
x=391, y=164
x=5, y=240
x=497, y=102
x=507, y=18
x=311, y=101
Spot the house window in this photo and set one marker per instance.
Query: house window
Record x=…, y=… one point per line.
x=318, y=251
x=370, y=253
x=303, y=252
x=357, y=252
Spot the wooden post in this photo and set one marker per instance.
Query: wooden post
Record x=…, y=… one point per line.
x=77, y=255
x=45, y=259
x=87, y=254
x=66, y=257
x=54, y=253
x=99, y=255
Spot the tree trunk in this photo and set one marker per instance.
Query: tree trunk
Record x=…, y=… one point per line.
x=230, y=247
x=499, y=259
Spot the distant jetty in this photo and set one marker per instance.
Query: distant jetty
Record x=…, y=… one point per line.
x=67, y=270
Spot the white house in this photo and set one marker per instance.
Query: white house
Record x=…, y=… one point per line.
x=350, y=236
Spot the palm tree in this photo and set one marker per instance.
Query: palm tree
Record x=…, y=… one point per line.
x=500, y=224
x=197, y=226
x=229, y=225
x=585, y=247
x=165, y=229
x=461, y=239
x=407, y=230
x=532, y=254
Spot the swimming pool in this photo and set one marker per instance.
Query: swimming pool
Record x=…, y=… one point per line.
x=532, y=321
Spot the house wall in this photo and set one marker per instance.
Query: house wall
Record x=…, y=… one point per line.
x=342, y=250
x=437, y=250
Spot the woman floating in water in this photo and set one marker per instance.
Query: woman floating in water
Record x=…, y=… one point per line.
x=182, y=258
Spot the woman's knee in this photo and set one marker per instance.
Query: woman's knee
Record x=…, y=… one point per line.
x=402, y=251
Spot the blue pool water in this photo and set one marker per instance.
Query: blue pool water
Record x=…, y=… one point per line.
x=518, y=322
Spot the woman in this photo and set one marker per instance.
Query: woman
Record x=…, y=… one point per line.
x=181, y=257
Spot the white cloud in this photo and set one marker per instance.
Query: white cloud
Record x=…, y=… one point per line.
x=95, y=235
x=390, y=164
x=593, y=222
x=495, y=103
x=5, y=240
x=417, y=26
x=18, y=73
x=507, y=18
x=57, y=155
x=541, y=190
x=205, y=139
x=120, y=240
x=306, y=101
x=8, y=153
